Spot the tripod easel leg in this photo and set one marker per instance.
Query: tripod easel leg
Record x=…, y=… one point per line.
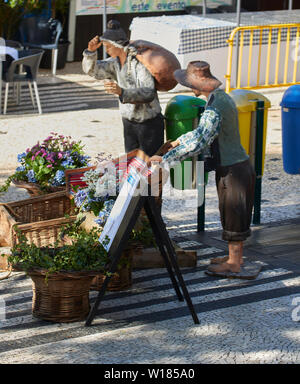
x=161, y=247
x=102, y=291
x=157, y=221
x=115, y=259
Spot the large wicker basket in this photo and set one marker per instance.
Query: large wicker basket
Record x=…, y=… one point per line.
x=38, y=218
x=64, y=297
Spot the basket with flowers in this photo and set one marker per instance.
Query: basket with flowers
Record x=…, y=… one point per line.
x=42, y=167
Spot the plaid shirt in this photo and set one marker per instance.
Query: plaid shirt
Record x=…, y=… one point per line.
x=198, y=140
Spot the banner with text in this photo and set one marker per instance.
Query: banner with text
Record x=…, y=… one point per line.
x=95, y=7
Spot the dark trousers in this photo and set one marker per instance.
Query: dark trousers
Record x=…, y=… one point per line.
x=235, y=185
x=147, y=136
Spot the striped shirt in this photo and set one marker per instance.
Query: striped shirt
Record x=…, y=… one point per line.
x=198, y=140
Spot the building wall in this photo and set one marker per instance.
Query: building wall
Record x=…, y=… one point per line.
x=88, y=27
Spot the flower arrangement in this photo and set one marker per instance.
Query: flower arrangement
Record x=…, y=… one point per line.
x=100, y=193
x=103, y=186
x=44, y=164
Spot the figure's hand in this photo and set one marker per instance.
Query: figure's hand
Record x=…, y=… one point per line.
x=94, y=44
x=113, y=88
x=154, y=159
x=173, y=144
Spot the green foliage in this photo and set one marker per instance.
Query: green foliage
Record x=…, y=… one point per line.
x=85, y=253
x=61, y=6
x=12, y=11
x=143, y=234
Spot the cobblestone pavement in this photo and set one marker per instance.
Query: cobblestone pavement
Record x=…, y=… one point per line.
x=240, y=321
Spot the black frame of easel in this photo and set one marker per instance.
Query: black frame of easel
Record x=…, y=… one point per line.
x=164, y=244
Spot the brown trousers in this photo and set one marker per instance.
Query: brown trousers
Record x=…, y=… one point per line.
x=235, y=185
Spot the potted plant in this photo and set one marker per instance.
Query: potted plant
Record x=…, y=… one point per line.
x=42, y=167
x=61, y=275
x=122, y=278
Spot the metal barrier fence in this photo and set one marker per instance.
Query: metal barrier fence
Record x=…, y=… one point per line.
x=266, y=56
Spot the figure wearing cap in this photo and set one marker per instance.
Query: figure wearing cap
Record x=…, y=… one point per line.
x=218, y=134
x=129, y=79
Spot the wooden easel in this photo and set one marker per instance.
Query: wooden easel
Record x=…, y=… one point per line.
x=164, y=244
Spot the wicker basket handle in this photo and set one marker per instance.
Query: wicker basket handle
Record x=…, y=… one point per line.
x=11, y=211
x=8, y=273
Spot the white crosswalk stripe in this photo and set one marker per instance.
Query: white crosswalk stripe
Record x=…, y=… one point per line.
x=62, y=97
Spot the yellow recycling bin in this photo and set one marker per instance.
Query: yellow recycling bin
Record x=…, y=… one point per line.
x=246, y=102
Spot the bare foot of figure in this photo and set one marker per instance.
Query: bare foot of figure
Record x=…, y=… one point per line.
x=220, y=260
x=224, y=267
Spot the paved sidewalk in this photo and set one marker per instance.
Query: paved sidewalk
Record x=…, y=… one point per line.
x=240, y=321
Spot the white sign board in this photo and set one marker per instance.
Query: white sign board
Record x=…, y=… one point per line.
x=96, y=7
x=128, y=190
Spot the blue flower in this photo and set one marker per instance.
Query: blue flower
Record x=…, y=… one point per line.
x=105, y=212
x=21, y=169
x=30, y=176
x=80, y=197
x=67, y=163
x=59, y=178
x=82, y=159
x=21, y=156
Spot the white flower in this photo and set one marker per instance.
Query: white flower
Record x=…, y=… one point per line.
x=106, y=185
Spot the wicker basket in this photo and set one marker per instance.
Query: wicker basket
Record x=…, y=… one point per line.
x=121, y=279
x=38, y=218
x=34, y=189
x=63, y=298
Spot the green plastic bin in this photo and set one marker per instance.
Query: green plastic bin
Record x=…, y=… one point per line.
x=182, y=115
